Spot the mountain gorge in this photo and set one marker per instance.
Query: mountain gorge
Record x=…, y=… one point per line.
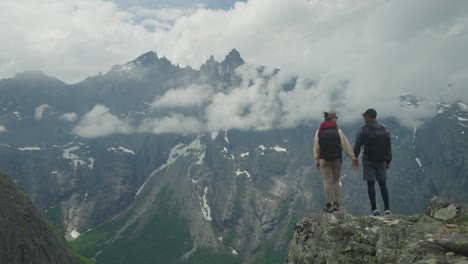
x=132, y=178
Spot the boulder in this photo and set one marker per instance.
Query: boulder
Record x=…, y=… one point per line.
x=443, y=209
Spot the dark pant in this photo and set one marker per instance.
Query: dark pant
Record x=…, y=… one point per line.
x=383, y=191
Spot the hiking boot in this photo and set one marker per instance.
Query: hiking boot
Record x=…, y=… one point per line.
x=336, y=206
x=329, y=208
x=375, y=213
x=387, y=212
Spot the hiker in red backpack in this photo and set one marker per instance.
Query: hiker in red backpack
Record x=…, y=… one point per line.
x=376, y=157
x=329, y=143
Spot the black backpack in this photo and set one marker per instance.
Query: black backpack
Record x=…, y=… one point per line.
x=330, y=144
x=377, y=143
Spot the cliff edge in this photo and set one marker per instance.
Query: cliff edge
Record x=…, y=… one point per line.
x=439, y=236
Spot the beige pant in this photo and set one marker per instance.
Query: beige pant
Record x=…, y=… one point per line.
x=329, y=168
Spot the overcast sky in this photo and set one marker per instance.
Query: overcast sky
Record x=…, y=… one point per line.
x=383, y=48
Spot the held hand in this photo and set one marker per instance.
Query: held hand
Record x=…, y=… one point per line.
x=355, y=164
x=317, y=165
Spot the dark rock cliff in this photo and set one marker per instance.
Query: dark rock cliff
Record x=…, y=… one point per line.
x=24, y=236
x=440, y=236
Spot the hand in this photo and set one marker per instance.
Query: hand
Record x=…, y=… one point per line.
x=355, y=164
x=317, y=165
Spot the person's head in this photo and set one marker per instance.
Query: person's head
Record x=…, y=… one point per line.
x=330, y=116
x=369, y=115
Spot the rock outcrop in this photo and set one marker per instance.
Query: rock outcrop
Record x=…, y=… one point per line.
x=24, y=236
x=440, y=236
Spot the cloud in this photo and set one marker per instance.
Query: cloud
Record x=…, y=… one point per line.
x=100, y=122
x=39, y=111
x=70, y=117
x=2, y=128
x=357, y=54
x=191, y=96
x=87, y=36
x=175, y=123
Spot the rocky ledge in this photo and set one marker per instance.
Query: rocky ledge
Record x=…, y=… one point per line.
x=439, y=236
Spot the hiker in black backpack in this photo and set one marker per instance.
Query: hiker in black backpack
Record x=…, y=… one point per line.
x=329, y=143
x=376, y=157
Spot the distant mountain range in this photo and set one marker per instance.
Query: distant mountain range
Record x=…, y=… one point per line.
x=134, y=166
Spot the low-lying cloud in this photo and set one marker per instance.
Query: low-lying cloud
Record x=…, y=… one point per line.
x=100, y=122
x=70, y=117
x=39, y=111
x=192, y=96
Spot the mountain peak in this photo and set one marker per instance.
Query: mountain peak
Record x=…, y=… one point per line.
x=233, y=58
x=147, y=58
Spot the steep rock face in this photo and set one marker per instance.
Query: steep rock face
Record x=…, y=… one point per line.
x=24, y=236
x=342, y=238
x=220, y=195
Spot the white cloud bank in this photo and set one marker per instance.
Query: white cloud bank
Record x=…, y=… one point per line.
x=361, y=53
x=193, y=96
x=100, y=122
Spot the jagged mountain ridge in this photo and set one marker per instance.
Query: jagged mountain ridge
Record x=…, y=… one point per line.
x=252, y=199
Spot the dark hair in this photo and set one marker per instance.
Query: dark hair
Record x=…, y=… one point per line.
x=329, y=115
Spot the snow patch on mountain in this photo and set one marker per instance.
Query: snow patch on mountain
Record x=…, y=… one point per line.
x=461, y=118
x=279, y=149
x=91, y=163
x=226, y=137
x=67, y=154
x=125, y=150
x=206, y=210
x=261, y=147
x=419, y=162
x=463, y=107
x=75, y=234
x=30, y=149
x=238, y=173
x=2, y=128
x=443, y=107
x=17, y=114
x=275, y=148
x=244, y=154
x=201, y=157
x=214, y=135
